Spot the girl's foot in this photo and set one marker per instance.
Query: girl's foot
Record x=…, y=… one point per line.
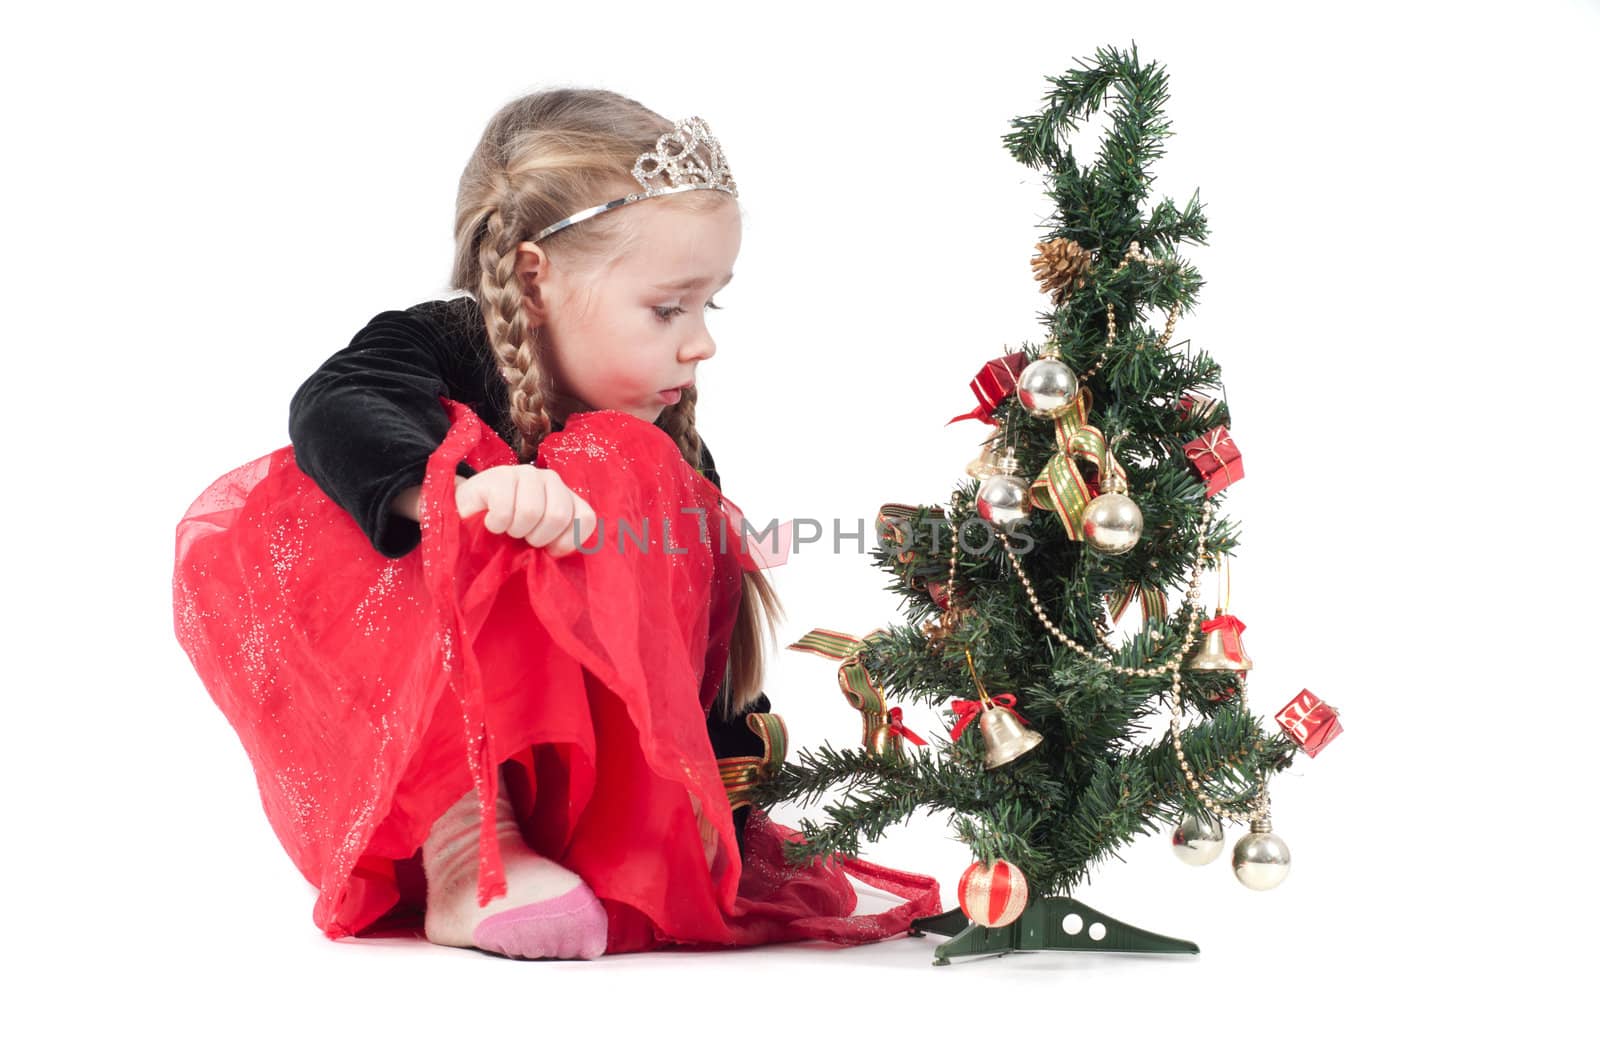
x=547, y=911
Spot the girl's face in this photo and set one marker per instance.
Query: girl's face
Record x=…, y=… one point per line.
x=626, y=336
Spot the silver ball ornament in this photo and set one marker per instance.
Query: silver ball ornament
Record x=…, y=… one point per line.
x=1003, y=497
x=1261, y=859
x=1046, y=385
x=1112, y=523
x=1197, y=839
x=1003, y=501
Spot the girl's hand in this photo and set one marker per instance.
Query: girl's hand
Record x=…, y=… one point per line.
x=528, y=503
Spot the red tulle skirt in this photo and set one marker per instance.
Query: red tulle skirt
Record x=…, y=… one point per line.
x=371, y=693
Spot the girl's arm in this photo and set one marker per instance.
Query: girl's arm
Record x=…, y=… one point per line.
x=365, y=423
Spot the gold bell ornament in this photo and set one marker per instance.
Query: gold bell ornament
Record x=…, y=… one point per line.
x=987, y=463
x=1005, y=734
x=1004, y=737
x=1220, y=649
x=885, y=739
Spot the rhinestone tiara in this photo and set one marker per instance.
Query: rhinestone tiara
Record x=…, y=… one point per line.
x=684, y=160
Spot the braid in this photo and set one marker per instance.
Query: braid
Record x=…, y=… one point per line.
x=510, y=338
x=677, y=421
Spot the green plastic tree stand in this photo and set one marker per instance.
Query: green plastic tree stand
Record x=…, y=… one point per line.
x=1042, y=926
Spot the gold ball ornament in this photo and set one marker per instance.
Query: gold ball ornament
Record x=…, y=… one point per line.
x=1198, y=838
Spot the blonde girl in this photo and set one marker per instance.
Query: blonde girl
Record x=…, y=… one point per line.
x=592, y=237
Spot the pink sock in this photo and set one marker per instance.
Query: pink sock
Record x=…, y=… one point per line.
x=571, y=926
x=547, y=911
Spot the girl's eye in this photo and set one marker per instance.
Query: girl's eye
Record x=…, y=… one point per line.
x=667, y=313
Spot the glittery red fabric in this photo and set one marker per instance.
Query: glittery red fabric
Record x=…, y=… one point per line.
x=370, y=693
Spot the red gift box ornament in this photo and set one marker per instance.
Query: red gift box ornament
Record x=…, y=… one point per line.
x=1216, y=458
x=995, y=383
x=1310, y=721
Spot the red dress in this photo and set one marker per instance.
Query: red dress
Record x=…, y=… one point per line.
x=371, y=693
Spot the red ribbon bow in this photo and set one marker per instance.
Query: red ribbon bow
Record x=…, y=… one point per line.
x=993, y=385
x=1230, y=627
x=968, y=710
x=898, y=728
x=1227, y=621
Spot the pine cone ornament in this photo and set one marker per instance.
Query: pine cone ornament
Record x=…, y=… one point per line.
x=1060, y=267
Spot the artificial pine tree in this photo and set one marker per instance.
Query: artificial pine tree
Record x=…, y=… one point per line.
x=1096, y=491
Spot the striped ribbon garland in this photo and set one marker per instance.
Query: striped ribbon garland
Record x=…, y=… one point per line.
x=1152, y=602
x=740, y=775
x=854, y=680
x=893, y=524
x=1060, y=486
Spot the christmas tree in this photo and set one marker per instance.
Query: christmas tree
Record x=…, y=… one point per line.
x=1097, y=492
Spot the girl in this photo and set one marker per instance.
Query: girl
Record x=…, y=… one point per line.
x=481, y=622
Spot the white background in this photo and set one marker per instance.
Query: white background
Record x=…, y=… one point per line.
x=202, y=204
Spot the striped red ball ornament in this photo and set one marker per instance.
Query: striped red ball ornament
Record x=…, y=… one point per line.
x=993, y=894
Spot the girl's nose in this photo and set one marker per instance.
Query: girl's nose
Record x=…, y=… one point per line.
x=698, y=347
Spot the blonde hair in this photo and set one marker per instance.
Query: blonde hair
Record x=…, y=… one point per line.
x=542, y=157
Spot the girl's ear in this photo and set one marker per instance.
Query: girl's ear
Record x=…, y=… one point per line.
x=533, y=271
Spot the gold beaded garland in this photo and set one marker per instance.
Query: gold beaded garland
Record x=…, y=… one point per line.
x=1173, y=666
x=1134, y=253
x=1249, y=807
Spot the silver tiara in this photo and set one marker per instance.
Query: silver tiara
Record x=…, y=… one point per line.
x=684, y=160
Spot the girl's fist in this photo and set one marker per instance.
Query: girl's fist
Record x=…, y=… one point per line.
x=528, y=503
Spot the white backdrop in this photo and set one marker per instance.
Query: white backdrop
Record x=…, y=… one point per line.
x=202, y=204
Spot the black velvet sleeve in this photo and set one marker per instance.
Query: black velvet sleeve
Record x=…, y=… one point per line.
x=364, y=424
